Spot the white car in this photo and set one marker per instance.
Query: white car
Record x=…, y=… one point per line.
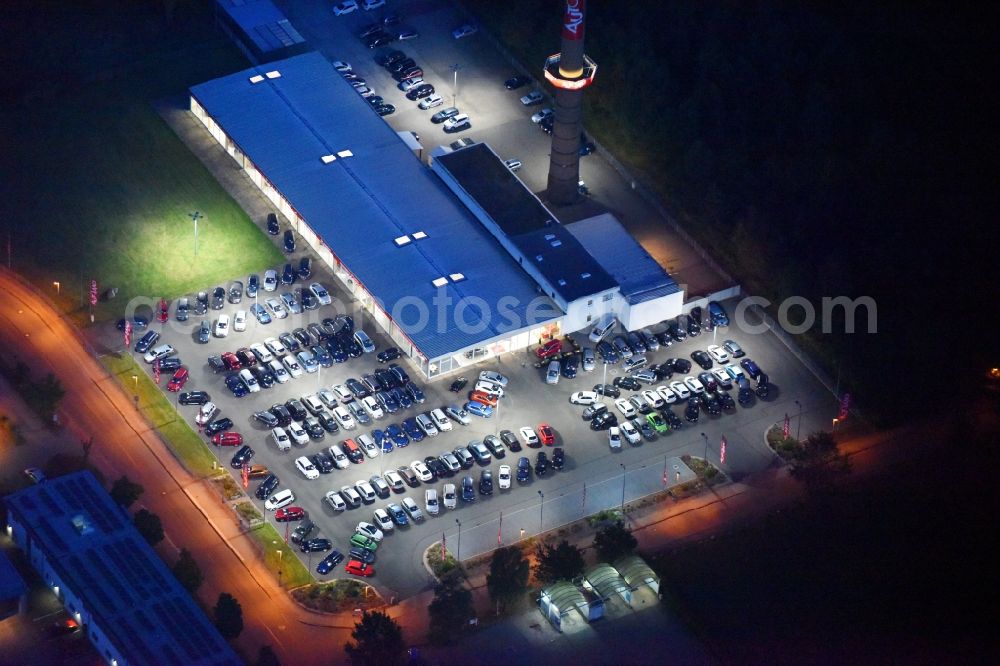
x=406, y=85
x=371, y=404
x=343, y=68
x=276, y=308
x=431, y=501
x=464, y=31
x=367, y=445
x=503, y=477
x=491, y=388
x=431, y=101
x=249, y=380
x=293, y=367
x=614, y=438
x=280, y=374
x=420, y=469
x=412, y=509
x=532, y=98
x=458, y=414
x=240, y=321
x=440, y=420
x=495, y=377
x=328, y=398
x=307, y=469
x=274, y=346
x=222, y=326
x=339, y=457
x=335, y=501
x=281, y=439
x=529, y=436
x=343, y=393
x=206, y=413
x=320, y=292
x=369, y=530
x=395, y=481
x=350, y=495
x=695, y=385
x=457, y=123
x=270, y=279
x=681, y=390
x=625, y=407
x=261, y=352
x=344, y=418
x=718, y=353
x=365, y=489
x=450, y=498
x=584, y=398
x=541, y=115
x=280, y=499
x=298, y=433
x=668, y=396
x=345, y=7
x=722, y=377
x=383, y=520
x=373, y=4
x=313, y=403
x=653, y=399
x=629, y=432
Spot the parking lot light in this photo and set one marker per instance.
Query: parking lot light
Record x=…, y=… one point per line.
x=541, y=509
x=57, y=286
x=458, y=548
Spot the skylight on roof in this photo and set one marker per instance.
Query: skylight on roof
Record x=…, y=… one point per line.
x=328, y=158
x=585, y=275
x=345, y=153
x=256, y=78
x=562, y=283
x=538, y=257
x=440, y=282
x=401, y=241
x=419, y=235
x=456, y=277
x=549, y=237
x=556, y=243
x=273, y=74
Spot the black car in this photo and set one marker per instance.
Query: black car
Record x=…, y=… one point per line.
x=201, y=303
x=316, y=330
x=296, y=409
x=216, y=363
x=647, y=430
x=386, y=58
x=672, y=419
x=327, y=564
x=682, y=366
x=510, y=440
x=352, y=348
x=219, y=425
x=387, y=378
x=193, y=398
x=266, y=418
x=726, y=401
x=375, y=100
x=363, y=554
x=590, y=411
x=547, y=124
x=357, y=388
x=693, y=409
x=702, y=358
x=323, y=357
x=289, y=342
x=569, y=366
x=305, y=268
x=607, y=352
x=337, y=351
x=289, y=241
x=244, y=455
x=328, y=422
x=385, y=109
x=763, y=386
x=369, y=30
x=677, y=332
x=421, y=91
x=523, y=470
x=437, y=467
x=400, y=65
x=541, y=464
x=693, y=325
x=465, y=459
x=636, y=342
x=558, y=458
x=468, y=489
x=372, y=383
x=486, y=482
x=322, y=462
x=236, y=292
x=253, y=285
x=272, y=224
x=495, y=446
x=458, y=384
x=302, y=335
x=409, y=477
x=627, y=383
x=281, y=413
x=444, y=114
x=183, y=309
x=263, y=375
x=218, y=298
x=603, y=421
x=138, y=323
x=266, y=487
x=711, y=405
x=516, y=82
x=315, y=545
x=288, y=275
x=315, y=430
x=664, y=338
x=380, y=39
x=708, y=380
x=170, y=364
x=608, y=390
x=389, y=354
x=303, y=530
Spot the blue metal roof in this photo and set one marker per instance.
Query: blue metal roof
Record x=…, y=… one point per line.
x=528, y=224
x=92, y=545
x=359, y=204
x=639, y=276
x=262, y=23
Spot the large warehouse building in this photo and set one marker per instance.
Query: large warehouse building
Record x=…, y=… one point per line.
x=446, y=263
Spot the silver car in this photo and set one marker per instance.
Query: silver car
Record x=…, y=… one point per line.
x=270, y=279
x=293, y=305
x=552, y=375
x=588, y=362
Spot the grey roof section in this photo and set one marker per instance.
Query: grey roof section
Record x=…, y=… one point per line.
x=92, y=545
x=635, y=571
x=606, y=580
x=359, y=203
x=639, y=276
x=263, y=24
x=526, y=222
x=11, y=584
x=565, y=596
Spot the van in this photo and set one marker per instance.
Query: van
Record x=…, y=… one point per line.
x=353, y=451
x=633, y=363
x=279, y=499
x=367, y=346
x=603, y=327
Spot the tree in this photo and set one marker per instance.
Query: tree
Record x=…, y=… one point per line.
x=449, y=611
x=614, y=542
x=266, y=656
x=508, y=576
x=562, y=561
x=125, y=491
x=820, y=461
x=187, y=572
x=149, y=526
x=378, y=641
x=228, y=616
x=44, y=396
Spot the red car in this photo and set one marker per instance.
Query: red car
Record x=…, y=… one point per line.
x=227, y=439
x=483, y=398
x=289, y=513
x=178, y=381
x=161, y=312
x=230, y=360
x=359, y=568
x=549, y=349
x=546, y=434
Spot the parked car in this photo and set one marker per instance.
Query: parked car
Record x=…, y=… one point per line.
x=532, y=98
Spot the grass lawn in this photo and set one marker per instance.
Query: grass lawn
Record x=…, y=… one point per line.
x=185, y=443
x=111, y=186
x=293, y=573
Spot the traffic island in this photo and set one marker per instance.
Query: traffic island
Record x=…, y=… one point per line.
x=441, y=563
x=338, y=596
x=707, y=476
x=788, y=449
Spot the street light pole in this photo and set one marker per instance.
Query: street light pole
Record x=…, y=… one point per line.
x=454, y=92
x=195, y=216
x=458, y=550
x=541, y=509
x=798, y=426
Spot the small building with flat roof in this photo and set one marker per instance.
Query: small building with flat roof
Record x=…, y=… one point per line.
x=259, y=29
